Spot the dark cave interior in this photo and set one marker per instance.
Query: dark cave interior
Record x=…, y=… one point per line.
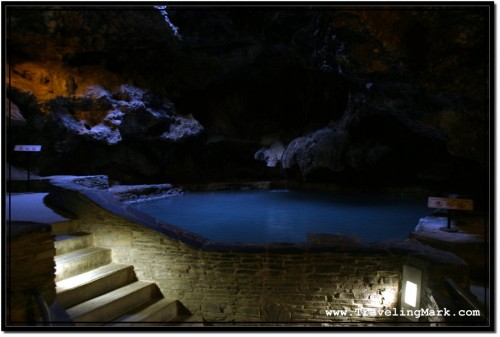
x=141, y=101
x=348, y=95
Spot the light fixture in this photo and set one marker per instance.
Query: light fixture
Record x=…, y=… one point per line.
x=411, y=290
x=410, y=294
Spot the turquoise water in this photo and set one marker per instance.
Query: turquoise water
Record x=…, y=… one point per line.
x=265, y=216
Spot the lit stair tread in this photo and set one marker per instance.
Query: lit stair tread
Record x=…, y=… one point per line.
x=89, y=277
x=78, y=254
x=144, y=313
x=108, y=298
x=66, y=243
x=69, y=236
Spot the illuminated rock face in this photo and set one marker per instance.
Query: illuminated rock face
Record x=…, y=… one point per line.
x=357, y=94
x=87, y=109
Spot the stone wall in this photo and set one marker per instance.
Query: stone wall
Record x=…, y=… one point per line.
x=276, y=283
x=246, y=286
x=30, y=269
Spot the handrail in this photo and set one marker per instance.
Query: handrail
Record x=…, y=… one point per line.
x=467, y=298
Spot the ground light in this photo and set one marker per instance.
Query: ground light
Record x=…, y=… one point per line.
x=411, y=288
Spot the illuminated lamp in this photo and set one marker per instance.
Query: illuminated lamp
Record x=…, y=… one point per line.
x=411, y=288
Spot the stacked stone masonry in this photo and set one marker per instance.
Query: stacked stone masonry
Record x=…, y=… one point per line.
x=244, y=283
x=235, y=286
x=30, y=268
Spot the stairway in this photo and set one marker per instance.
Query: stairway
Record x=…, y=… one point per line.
x=94, y=290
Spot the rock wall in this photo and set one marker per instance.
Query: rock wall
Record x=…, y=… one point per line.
x=353, y=94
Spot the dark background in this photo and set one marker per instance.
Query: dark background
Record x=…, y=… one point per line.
x=355, y=95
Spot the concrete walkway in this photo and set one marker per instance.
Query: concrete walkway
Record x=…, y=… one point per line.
x=30, y=207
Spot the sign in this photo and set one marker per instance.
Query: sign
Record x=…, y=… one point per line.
x=448, y=203
x=28, y=148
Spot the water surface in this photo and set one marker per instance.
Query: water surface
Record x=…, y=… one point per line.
x=265, y=216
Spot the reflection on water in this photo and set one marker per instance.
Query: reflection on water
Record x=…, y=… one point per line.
x=264, y=216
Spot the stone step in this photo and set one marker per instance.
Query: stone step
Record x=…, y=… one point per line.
x=187, y=320
x=105, y=308
x=66, y=243
x=96, y=282
x=65, y=227
x=159, y=311
x=80, y=261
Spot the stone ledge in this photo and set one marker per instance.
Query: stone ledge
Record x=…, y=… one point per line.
x=243, y=186
x=417, y=249
x=429, y=229
x=317, y=242
x=131, y=193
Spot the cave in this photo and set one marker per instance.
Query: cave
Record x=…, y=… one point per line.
x=142, y=100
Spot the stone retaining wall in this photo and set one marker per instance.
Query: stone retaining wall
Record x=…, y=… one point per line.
x=30, y=271
x=252, y=283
